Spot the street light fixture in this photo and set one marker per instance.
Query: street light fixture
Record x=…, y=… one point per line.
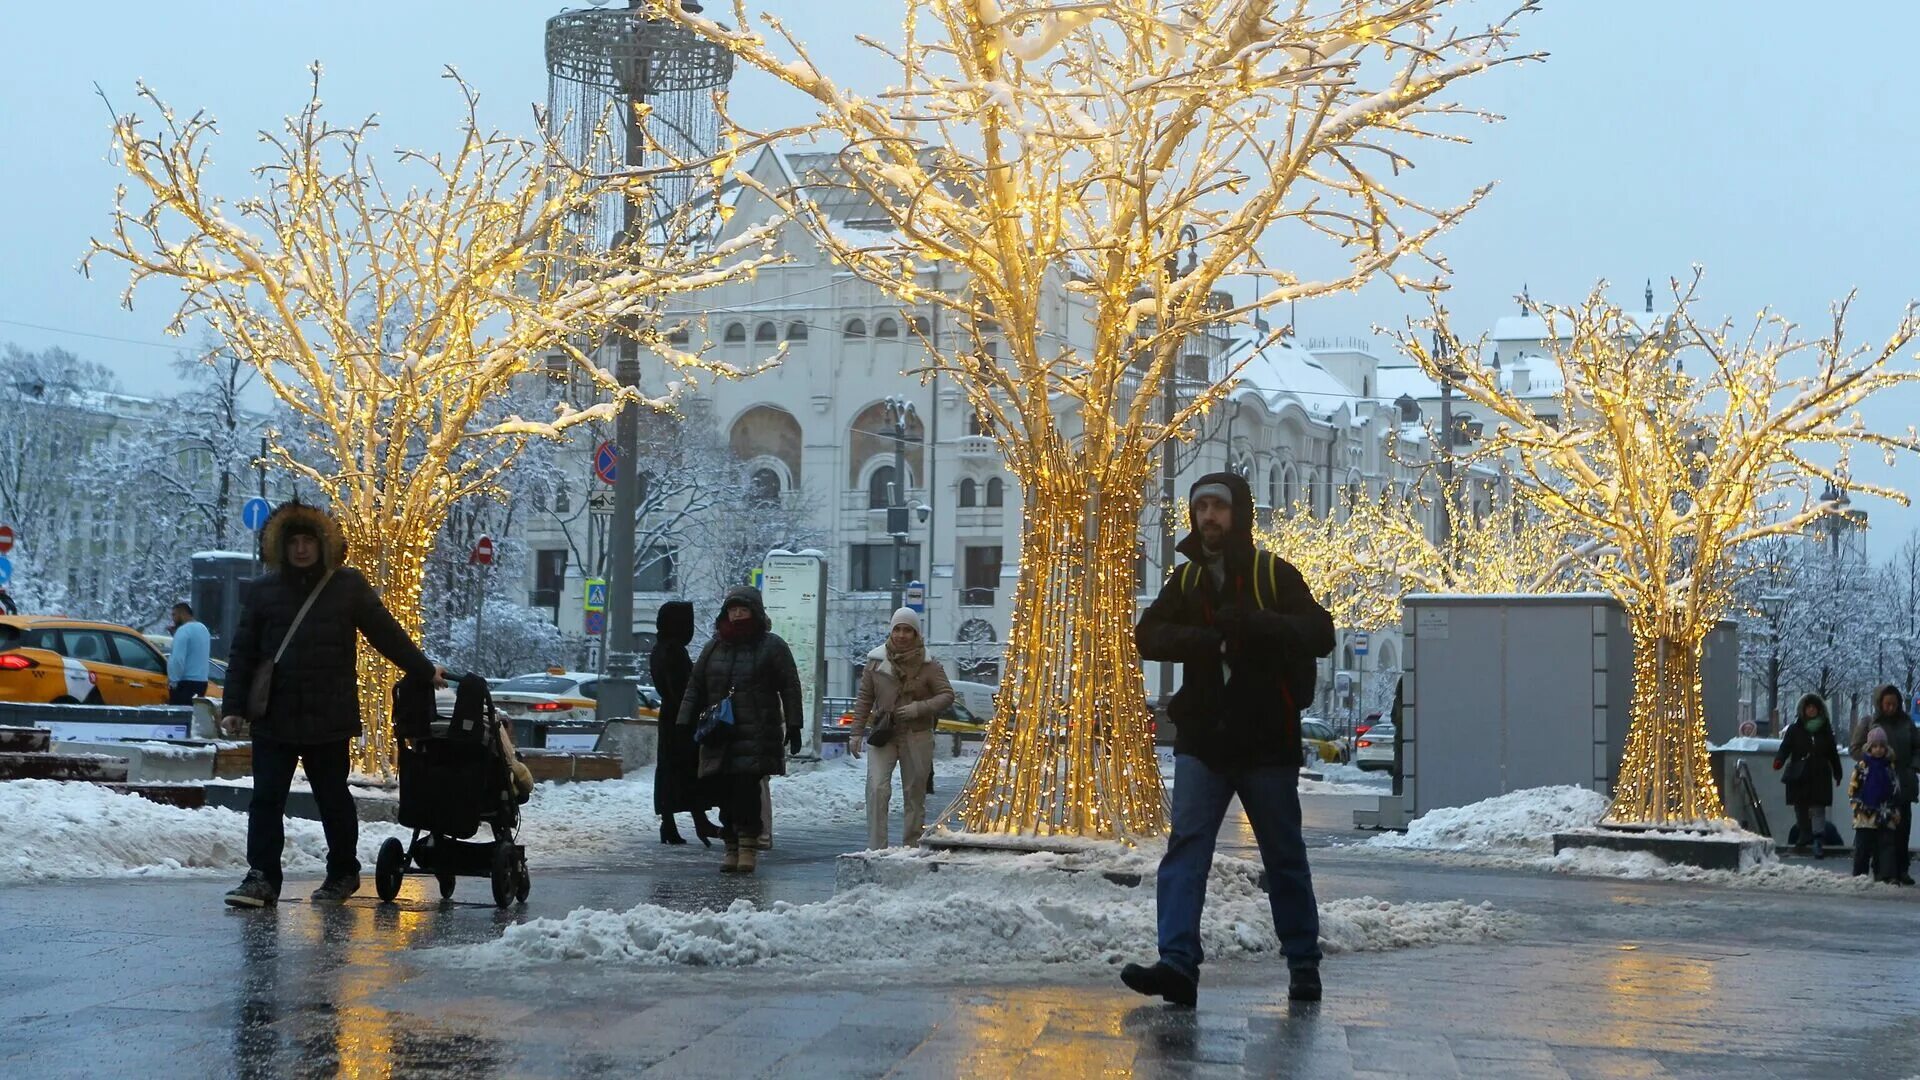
x=1772, y=605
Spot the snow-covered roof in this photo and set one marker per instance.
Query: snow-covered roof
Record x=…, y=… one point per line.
x=1285, y=370
x=1405, y=379
x=1534, y=328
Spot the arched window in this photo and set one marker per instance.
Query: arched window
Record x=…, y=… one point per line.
x=766, y=331
x=886, y=328
x=921, y=326
x=969, y=492
x=763, y=488
x=1274, y=487
x=677, y=335
x=856, y=328
x=975, y=426
x=996, y=492
x=880, y=488
x=736, y=331
x=767, y=431
x=796, y=331
x=1286, y=491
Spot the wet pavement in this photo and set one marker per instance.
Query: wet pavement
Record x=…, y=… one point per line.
x=1605, y=979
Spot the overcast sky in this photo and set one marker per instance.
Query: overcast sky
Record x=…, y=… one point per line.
x=1745, y=135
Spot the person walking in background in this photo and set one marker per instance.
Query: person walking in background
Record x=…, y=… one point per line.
x=300, y=625
x=677, y=787
x=902, y=693
x=1879, y=811
x=1890, y=716
x=187, y=659
x=1811, y=759
x=1246, y=630
x=748, y=664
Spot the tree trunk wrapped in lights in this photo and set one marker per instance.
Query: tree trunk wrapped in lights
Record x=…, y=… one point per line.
x=1677, y=446
x=1029, y=150
x=388, y=316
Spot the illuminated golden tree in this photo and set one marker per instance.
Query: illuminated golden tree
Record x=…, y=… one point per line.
x=1678, y=445
x=389, y=319
x=1363, y=564
x=1031, y=148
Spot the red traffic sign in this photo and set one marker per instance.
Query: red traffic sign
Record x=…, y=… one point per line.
x=483, y=551
x=6, y=539
x=606, y=462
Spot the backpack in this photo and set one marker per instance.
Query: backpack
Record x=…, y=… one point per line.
x=1297, y=677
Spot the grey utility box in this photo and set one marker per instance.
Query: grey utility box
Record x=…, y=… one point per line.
x=1510, y=692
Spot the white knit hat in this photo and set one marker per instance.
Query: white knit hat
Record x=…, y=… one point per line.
x=906, y=616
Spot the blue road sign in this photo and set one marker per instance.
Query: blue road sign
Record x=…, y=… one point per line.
x=1361, y=641
x=606, y=463
x=254, y=514
x=596, y=622
x=6, y=569
x=596, y=595
x=916, y=596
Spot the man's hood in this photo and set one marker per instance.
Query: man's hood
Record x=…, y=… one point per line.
x=673, y=625
x=1240, y=536
x=750, y=596
x=285, y=519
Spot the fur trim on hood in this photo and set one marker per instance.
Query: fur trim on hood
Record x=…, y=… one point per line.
x=1890, y=688
x=1800, y=710
x=295, y=516
x=750, y=596
x=673, y=625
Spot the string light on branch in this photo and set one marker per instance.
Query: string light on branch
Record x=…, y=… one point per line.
x=1084, y=178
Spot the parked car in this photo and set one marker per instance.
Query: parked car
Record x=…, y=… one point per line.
x=1374, y=750
x=51, y=658
x=1319, y=743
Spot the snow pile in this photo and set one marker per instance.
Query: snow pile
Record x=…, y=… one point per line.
x=1517, y=821
x=1344, y=779
x=1641, y=866
x=62, y=829
x=1016, y=911
x=1748, y=744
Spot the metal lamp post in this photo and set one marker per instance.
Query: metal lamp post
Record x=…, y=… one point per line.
x=1772, y=605
x=900, y=411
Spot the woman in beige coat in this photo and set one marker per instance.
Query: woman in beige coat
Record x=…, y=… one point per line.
x=902, y=694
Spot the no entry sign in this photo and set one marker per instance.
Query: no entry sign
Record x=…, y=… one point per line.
x=6, y=539
x=483, y=551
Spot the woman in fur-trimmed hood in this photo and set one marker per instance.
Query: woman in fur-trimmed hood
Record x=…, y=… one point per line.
x=1810, y=757
x=312, y=710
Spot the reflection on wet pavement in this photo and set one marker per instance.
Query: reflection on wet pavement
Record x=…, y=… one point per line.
x=1610, y=979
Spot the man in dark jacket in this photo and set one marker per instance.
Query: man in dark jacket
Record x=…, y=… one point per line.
x=312, y=713
x=1890, y=715
x=747, y=662
x=1246, y=631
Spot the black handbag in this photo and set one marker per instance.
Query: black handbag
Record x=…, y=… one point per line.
x=1796, y=770
x=881, y=732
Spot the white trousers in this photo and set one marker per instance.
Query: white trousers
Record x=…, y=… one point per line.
x=912, y=753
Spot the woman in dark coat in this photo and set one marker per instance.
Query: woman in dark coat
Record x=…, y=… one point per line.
x=1811, y=757
x=747, y=660
x=313, y=707
x=677, y=787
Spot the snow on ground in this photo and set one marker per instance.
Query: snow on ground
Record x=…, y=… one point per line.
x=1515, y=831
x=1345, y=779
x=62, y=829
x=1007, y=911
x=56, y=829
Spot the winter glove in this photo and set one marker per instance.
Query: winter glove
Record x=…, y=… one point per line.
x=793, y=740
x=1231, y=621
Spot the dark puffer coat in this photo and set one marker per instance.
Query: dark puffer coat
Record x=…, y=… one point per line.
x=1820, y=752
x=1272, y=628
x=760, y=674
x=315, y=696
x=1900, y=739
x=677, y=787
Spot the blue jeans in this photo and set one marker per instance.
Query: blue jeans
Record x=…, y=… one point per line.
x=1271, y=798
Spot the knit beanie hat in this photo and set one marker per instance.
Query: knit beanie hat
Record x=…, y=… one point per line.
x=1876, y=736
x=906, y=616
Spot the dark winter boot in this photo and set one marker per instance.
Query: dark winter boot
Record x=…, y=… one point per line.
x=704, y=829
x=336, y=889
x=1304, y=984
x=749, y=855
x=670, y=830
x=731, y=864
x=1161, y=980
x=255, y=892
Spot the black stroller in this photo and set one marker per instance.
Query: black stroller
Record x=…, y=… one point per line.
x=454, y=777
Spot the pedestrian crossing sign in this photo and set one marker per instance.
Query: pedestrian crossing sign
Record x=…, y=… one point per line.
x=596, y=594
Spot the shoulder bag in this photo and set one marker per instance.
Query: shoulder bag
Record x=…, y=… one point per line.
x=260, y=691
x=716, y=723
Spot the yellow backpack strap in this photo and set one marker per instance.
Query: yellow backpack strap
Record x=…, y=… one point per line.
x=1273, y=577
x=1186, y=577
x=1258, y=557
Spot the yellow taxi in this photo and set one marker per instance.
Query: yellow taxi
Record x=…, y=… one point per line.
x=1319, y=743
x=54, y=659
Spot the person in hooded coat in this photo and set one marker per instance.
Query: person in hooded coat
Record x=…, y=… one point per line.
x=677, y=787
x=906, y=690
x=1246, y=630
x=1890, y=716
x=1811, y=757
x=746, y=662
x=312, y=713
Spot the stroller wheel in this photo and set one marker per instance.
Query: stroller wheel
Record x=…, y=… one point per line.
x=503, y=874
x=525, y=885
x=388, y=868
x=446, y=885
